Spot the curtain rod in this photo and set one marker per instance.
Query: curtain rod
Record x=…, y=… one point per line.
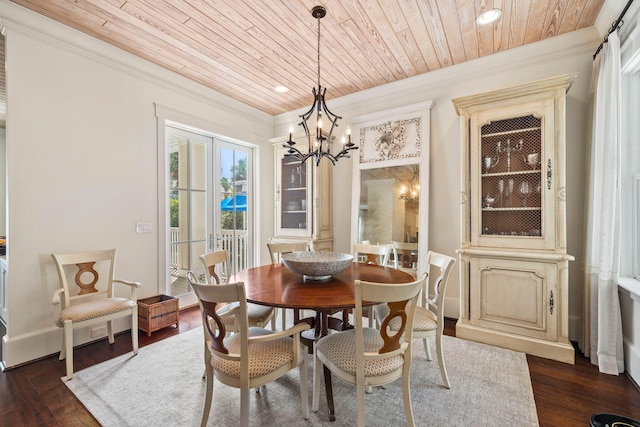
x=615, y=26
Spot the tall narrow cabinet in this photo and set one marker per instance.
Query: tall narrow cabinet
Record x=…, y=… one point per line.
x=513, y=256
x=303, y=209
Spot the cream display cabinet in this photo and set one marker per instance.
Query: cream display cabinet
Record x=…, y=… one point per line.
x=513, y=257
x=302, y=198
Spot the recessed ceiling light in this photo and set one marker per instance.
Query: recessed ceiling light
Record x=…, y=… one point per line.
x=281, y=89
x=488, y=16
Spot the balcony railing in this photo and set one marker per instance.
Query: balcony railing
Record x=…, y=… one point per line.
x=236, y=243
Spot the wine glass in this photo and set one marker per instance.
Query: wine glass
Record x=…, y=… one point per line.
x=501, y=190
x=508, y=191
x=525, y=191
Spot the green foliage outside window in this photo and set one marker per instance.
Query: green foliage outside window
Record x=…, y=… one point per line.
x=173, y=209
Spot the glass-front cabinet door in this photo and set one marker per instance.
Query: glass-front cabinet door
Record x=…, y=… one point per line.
x=513, y=196
x=303, y=210
x=294, y=193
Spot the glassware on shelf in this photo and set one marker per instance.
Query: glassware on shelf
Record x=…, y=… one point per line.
x=508, y=191
x=501, y=191
x=488, y=200
x=489, y=162
x=525, y=191
x=533, y=160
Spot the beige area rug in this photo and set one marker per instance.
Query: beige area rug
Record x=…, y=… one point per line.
x=163, y=386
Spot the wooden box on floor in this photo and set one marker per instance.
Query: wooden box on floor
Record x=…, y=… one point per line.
x=157, y=312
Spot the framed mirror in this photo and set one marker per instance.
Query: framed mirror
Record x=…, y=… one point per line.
x=389, y=204
x=391, y=178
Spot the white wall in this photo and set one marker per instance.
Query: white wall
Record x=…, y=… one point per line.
x=82, y=156
x=564, y=54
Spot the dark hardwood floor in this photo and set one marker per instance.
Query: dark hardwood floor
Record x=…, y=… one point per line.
x=565, y=395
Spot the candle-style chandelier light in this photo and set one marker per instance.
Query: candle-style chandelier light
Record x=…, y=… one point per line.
x=319, y=146
x=410, y=192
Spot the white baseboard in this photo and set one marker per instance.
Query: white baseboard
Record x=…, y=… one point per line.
x=632, y=360
x=21, y=349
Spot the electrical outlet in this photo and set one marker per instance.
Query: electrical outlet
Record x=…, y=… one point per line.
x=143, y=227
x=99, y=332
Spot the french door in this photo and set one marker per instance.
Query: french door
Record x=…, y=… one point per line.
x=210, y=195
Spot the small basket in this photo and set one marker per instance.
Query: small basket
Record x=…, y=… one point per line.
x=157, y=312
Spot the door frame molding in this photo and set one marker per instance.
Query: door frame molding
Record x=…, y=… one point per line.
x=167, y=116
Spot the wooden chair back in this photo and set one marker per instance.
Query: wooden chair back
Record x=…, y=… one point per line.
x=277, y=249
x=85, y=276
x=216, y=266
x=403, y=254
x=440, y=267
x=402, y=300
x=371, y=254
x=211, y=298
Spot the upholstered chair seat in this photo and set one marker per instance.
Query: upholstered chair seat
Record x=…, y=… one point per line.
x=340, y=349
x=98, y=308
x=264, y=357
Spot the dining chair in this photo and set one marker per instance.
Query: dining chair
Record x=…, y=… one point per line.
x=276, y=250
x=369, y=357
x=250, y=358
x=371, y=254
x=216, y=270
x=403, y=255
x=429, y=320
x=94, y=302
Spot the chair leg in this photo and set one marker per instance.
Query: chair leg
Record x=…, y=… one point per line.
x=68, y=347
x=63, y=350
x=317, y=372
x=427, y=350
x=443, y=368
x=110, y=331
x=360, y=391
x=208, y=396
x=304, y=382
x=207, y=361
x=406, y=396
x=244, y=407
x=134, y=329
x=284, y=318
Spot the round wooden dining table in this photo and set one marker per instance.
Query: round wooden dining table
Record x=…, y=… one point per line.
x=274, y=285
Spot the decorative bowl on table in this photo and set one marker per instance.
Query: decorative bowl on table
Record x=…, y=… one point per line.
x=316, y=265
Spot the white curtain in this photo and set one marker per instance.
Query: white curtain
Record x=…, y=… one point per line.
x=602, y=326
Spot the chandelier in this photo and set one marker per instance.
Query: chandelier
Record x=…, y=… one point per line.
x=319, y=146
x=410, y=191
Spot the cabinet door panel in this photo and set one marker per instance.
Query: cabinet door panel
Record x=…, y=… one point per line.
x=513, y=296
x=512, y=203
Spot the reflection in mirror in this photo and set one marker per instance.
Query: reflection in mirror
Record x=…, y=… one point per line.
x=389, y=204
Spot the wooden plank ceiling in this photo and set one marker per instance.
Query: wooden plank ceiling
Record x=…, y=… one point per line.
x=244, y=48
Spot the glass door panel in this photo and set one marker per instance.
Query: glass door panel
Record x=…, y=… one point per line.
x=190, y=222
x=235, y=165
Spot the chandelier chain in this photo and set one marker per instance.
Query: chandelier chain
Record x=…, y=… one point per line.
x=318, y=52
